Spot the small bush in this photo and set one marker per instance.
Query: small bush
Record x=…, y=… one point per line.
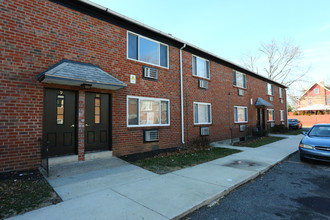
x=279, y=129
x=260, y=133
x=319, y=113
x=295, y=113
x=201, y=142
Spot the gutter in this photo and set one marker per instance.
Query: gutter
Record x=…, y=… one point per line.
x=107, y=10
x=181, y=85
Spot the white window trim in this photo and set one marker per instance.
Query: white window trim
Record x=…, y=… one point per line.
x=247, y=115
x=138, y=60
x=202, y=103
x=318, y=91
x=273, y=114
x=281, y=115
x=209, y=67
x=148, y=98
x=271, y=90
x=242, y=87
x=280, y=94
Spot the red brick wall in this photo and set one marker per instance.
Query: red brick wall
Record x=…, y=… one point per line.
x=310, y=120
x=37, y=34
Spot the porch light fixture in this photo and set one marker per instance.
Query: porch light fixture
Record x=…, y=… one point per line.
x=86, y=86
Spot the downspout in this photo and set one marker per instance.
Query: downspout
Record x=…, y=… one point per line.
x=181, y=85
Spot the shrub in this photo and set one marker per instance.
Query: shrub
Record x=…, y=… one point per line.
x=260, y=133
x=279, y=129
x=319, y=113
x=295, y=113
x=201, y=142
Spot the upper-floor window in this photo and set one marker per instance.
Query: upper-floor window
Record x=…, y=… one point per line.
x=282, y=115
x=280, y=92
x=270, y=89
x=202, y=113
x=201, y=67
x=146, y=50
x=270, y=115
x=240, y=114
x=143, y=111
x=239, y=79
x=316, y=91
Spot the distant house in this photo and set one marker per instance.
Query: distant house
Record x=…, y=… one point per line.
x=315, y=99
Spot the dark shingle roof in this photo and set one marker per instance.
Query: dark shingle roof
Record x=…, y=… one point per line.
x=75, y=73
x=262, y=103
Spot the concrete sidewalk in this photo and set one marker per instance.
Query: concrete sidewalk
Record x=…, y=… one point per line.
x=126, y=191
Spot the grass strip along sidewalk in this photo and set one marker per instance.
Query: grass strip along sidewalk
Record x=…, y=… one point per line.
x=257, y=142
x=171, y=161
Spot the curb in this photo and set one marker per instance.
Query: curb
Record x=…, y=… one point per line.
x=229, y=190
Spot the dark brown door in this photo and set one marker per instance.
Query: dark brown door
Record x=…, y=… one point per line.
x=97, y=122
x=59, y=121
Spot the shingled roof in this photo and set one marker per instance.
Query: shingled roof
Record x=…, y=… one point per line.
x=73, y=73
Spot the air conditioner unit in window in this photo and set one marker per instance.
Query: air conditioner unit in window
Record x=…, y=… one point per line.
x=151, y=135
x=240, y=92
x=150, y=73
x=205, y=131
x=271, y=98
x=282, y=101
x=203, y=84
x=242, y=128
x=272, y=125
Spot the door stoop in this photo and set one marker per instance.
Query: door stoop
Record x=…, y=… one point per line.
x=74, y=158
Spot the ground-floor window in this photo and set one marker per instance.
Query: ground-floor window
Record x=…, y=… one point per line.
x=202, y=113
x=240, y=114
x=142, y=111
x=282, y=115
x=270, y=115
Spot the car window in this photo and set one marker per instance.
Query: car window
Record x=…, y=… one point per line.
x=320, y=131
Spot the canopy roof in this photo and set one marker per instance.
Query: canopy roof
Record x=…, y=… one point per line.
x=68, y=72
x=262, y=103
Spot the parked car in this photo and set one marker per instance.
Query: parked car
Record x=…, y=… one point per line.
x=295, y=123
x=316, y=143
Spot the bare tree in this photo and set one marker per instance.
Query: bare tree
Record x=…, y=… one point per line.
x=279, y=62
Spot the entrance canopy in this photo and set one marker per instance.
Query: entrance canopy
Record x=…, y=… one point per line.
x=262, y=103
x=72, y=73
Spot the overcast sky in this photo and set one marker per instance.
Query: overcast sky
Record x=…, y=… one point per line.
x=232, y=28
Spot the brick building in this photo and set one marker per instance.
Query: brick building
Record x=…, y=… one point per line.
x=83, y=78
x=315, y=99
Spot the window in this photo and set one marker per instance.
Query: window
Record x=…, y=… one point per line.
x=147, y=111
x=147, y=50
x=270, y=89
x=239, y=79
x=282, y=115
x=97, y=109
x=280, y=92
x=201, y=67
x=316, y=91
x=60, y=110
x=240, y=114
x=202, y=113
x=270, y=115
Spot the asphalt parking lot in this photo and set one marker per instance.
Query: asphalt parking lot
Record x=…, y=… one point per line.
x=290, y=190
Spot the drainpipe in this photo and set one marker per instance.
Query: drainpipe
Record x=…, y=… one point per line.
x=181, y=84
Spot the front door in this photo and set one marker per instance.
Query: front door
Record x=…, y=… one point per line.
x=97, y=122
x=261, y=118
x=59, y=121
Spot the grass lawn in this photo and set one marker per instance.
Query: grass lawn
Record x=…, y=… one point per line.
x=258, y=141
x=24, y=191
x=294, y=132
x=168, y=162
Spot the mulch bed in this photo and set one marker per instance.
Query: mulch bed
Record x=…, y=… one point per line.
x=24, y=191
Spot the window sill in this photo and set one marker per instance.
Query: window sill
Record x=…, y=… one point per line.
x=148, y=126
x=239, y=87
x=241, y=122
x=204, y=124
x=146, y=63
x=200, y=77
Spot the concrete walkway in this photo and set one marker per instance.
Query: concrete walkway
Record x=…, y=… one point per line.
x=125, y=191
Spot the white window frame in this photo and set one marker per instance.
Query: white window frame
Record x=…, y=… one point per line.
x=138, y=59
x=160, y=112
x=282, y=118
x=272, y=110
x=316, y=89
x=208, y=63
x=202, y=103
x=243, y=74
x=247, y=115
x=272, y=90
x=280, y=92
